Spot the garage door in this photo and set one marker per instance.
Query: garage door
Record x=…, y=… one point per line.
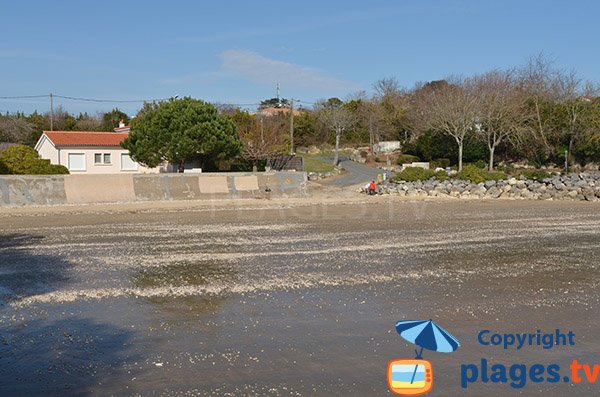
x=76, y=161
x=127, y=164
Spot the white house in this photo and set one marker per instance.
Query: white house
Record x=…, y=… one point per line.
x=89, y=152
x=386, y=146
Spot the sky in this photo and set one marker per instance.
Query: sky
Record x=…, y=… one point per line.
x=237, y=51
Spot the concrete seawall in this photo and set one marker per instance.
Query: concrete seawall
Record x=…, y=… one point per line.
x=23, y=190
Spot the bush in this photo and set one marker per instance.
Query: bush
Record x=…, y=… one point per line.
x=406, y=159
x=412, y=174
x=441, y=176
x=437, y=145
x=3, y=169
x=475, y=174
x=537, y=175
x=439, y=163
x=56, y=169
x=23, y=160
x=480, y=164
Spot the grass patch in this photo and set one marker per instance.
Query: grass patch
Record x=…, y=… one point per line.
x=313, y=164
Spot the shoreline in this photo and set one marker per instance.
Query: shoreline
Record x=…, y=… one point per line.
x=333, y=198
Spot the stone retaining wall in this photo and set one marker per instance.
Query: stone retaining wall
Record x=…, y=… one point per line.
x=582, y=186
x=20, y=190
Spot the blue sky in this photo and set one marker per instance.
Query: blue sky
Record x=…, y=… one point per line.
x=236, y=51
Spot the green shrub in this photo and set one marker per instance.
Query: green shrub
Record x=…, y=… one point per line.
x=23, y=160
x=475, y=174
x=3, y=169
x=56, y=169
x=412, y=174
x=537, y=175
x=480, y=164
x=441, y=176
x=441, y=163
x=406, y=159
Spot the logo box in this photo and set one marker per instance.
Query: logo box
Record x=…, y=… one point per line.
x=408, y=377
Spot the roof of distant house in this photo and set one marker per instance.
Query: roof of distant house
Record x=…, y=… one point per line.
x=85, y=138
x=124, y=128
x=273, y=111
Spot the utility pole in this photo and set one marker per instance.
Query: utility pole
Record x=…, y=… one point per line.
x=51, y=114
x=292, y=126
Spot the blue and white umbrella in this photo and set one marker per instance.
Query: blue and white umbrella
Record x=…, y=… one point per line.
x=428, y=335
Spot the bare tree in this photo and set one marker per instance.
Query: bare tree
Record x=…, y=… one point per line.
x=334, y=116
x=448, y=107
x=536, y=80
x=390, y=109
x=500, y=109
x=86, y=122
x=263, y=137
x=15, y=129
x=62, y=120
x=574, y=106
x=386, y=87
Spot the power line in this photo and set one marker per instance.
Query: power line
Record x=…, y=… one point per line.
x=100, y=100
x=109, y=100
x=84, y=99
x=24, y=96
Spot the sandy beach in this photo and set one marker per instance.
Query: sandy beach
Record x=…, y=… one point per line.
x=287, y=297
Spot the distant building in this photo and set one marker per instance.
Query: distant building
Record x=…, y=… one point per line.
x=275, y=111
x=122, y=127
x=386, y=146
x=89, y=152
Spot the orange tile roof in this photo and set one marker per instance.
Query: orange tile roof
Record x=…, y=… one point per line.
x=85, y=138
x=272, y=111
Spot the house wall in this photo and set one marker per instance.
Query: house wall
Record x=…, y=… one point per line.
x=47, y=150
x=92, y=168
x=61, y=156
x=23, y=190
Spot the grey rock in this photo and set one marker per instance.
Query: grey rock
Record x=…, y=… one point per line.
x=558, y=185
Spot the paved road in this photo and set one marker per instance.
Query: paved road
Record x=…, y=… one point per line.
x=356, y=173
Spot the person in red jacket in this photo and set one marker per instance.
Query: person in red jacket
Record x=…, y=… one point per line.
x=372, y=188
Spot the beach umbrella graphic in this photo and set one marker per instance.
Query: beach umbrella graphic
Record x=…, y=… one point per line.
x=428, y=335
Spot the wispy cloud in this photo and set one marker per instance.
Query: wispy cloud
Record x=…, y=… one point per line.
x=263, y=70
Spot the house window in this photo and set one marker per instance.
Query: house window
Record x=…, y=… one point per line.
x=102, y=158
x=127, y=164
x=76, y=161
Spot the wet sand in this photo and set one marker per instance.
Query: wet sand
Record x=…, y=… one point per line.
x=283, y=298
